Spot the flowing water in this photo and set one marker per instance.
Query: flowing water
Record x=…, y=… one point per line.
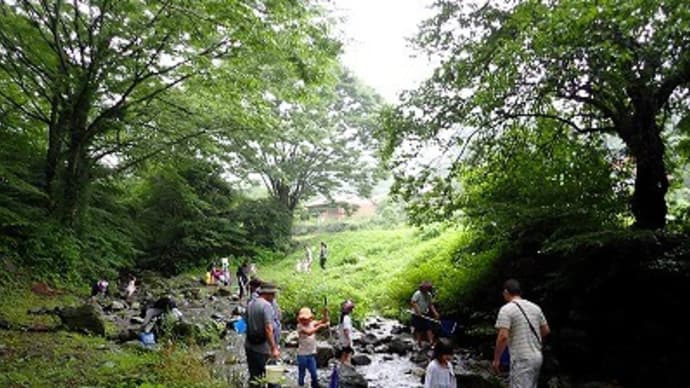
x=385, y=370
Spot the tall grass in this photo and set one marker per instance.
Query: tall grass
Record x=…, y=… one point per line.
x=379, y=269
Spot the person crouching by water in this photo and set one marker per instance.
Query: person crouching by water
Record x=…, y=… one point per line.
x=306, y=344
x=100, y=288
x=164, y=305
x=260, y=344
x=345, y=332
x=439, y=372
x=422, y=306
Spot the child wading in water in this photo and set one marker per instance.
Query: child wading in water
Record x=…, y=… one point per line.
x=345, y=332
x=439, y=372
x=306, y=344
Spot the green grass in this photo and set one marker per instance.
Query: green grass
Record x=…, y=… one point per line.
x=379, y=270
x=62, y=359
x=16, y=301
x=66, y=359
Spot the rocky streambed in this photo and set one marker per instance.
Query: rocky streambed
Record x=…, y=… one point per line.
x=385, y=355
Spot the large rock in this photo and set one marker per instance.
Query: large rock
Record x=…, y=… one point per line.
x=350, y=378
x=369, y=339
x=223, y=292
x=116, y=305
x=400, y=346
x=477, y=374
x=478, y=380
x=84, y=319
x=360, y=359
x=126, y=335
x=324, y=352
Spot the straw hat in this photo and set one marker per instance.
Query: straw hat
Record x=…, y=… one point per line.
x=305, y=314
x=267, y=288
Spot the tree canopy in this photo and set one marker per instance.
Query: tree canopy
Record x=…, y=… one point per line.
x=117, y=118
x=94, y=74
x=618, y=67
x=316, y=145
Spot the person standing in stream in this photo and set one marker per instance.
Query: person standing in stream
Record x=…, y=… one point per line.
x=422, y=305
x=306, y=344
x=260, y=344
x=345, y=332
x=521, y=326
x=439, y=372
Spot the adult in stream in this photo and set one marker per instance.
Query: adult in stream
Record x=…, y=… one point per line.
x=422, y=305
x=517, y=324
x=260, y=345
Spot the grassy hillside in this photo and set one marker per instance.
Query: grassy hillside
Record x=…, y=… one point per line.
x=379, y=269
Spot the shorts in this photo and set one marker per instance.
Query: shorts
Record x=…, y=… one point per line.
x=343, y=349
x=420, y=324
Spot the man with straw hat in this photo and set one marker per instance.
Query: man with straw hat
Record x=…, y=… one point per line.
x=260, y=344
x=306, y=344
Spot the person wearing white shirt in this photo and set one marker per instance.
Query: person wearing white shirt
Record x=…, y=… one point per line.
x=439, y=372
x=345, y=332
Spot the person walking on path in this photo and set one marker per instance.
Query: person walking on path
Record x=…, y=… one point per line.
x=323, y=255
x=260, y=345
x=306, y=345
x=439, y=372
x=422, y=305
x=345, y=332
x=521, y=326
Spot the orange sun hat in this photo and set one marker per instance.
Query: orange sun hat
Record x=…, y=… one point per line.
x=305, y=314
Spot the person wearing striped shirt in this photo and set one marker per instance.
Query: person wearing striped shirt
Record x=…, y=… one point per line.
x=521, y=327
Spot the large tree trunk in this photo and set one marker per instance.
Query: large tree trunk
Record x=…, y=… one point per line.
x=76, y=176
x=282, y=194
x=53, y=158
x=52, y=162
x=651, y=183
x=75, y=182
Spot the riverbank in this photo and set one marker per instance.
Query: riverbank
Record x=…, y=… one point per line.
x=36, y=347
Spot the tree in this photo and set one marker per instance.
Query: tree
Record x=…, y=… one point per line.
x=93, y=73
x=311, y=145
x=184, y=208
x=620, y=67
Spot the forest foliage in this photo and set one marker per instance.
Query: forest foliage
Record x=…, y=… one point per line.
x=123, y=125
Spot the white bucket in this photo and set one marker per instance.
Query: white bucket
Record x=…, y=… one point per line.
x=274, y=374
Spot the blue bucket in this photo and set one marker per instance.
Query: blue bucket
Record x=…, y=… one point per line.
x=240, y=326
x=448, y=327
x=147, y=338
x=505, y=359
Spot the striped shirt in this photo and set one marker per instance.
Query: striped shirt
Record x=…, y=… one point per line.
x=523, y=344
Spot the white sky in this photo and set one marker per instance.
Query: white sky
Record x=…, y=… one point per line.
x=376, y=49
